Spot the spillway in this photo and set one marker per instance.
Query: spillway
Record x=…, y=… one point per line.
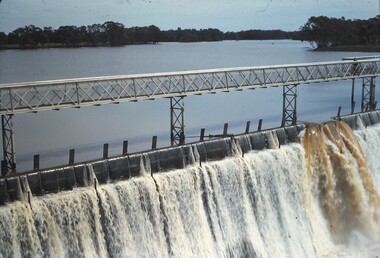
x=314, y=196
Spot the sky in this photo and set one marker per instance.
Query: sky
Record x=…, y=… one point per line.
x=226, y=15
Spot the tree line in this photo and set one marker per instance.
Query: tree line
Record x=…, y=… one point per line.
x=321, y=32
x=115, y=34
x=325, y=32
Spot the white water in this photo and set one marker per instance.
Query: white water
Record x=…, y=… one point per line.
x=262, y=205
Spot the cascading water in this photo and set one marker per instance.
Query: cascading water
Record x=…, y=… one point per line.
x=315, y=198
x=339, y=176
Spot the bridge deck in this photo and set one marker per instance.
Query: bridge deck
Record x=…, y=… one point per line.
x=59, y=94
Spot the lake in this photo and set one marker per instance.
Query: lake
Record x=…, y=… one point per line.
x=52, y=133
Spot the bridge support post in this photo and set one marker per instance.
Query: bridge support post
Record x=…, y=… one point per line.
x=368, y=94
x=9, y=153
x=353, y=96
x=289, y=105
x=177, y=121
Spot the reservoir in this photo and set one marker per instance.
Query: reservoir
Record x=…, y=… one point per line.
x=316, y=196
x=52, y=134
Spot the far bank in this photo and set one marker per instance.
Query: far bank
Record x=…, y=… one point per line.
x=352, y=48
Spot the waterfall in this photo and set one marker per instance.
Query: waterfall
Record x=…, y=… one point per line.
x=316, y=198
x=340, y=185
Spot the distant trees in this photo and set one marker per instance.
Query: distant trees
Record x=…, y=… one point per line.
x=324, y=32
x=3, y=38
x=115, y=34
x=258, y=35
x=28, y=35
x=321, y=32
x=106, y=34
x=192, y=35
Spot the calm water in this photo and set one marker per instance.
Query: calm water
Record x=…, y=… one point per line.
x=53, y=133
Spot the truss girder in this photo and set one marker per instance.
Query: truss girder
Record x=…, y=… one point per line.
x=177, y=121
x=9, y=152
x=368, y=94
x=289, y=110
x=58, y=94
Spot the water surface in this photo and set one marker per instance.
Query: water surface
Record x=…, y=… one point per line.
x=53, y=133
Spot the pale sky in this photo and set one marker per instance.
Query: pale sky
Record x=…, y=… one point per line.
x=226, y=15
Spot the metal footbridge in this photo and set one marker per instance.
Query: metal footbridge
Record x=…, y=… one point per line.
x=38, y=96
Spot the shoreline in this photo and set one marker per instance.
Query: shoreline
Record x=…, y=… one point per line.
x=62, y=45
x=352, y=48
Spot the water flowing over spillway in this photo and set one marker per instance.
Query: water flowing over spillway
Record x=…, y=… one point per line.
x=339, y=176
x=317, y=198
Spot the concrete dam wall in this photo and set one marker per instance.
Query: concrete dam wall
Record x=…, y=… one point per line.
x=250, y=195
x=38, y=183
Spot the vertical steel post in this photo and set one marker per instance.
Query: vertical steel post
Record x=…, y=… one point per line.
x=364, y=96
x=105, y=150
x=71, y=156
x=202, y=136
x=154, y=142
x=225, y=129
x=125, y=147
x=247, y=127
x=177, y=121
x=372, y=94
x=36, y=162
x=9, y=152
x=338, y=114
x=259, y=125
x=289, y=105
x=353, y=96
x=368, y=94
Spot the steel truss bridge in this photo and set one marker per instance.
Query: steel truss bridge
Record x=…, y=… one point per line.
x=37, y=96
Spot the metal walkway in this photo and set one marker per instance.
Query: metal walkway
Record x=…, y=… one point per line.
x=74, y=93
x=58, y=94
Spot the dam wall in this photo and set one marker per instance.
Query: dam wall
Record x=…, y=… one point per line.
x=37, y=183
x=361, y=120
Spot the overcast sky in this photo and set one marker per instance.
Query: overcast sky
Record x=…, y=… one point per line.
x=226, y=15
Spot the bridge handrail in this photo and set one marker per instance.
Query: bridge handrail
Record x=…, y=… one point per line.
x=165, y=74
x=67, y=93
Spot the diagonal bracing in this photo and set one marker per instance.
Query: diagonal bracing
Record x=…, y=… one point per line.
x=289, y=109
x=8, y=163
x=368, y=94
x=72, y=93
x=59, y=94
x=177, y=121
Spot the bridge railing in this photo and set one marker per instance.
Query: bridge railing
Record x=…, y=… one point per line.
x=59, y=94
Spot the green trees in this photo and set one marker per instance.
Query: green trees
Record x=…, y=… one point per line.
x=3, y=37
x=106, y=34
x=115, y=34
x=259, y=35
x=28, y=35
x=321, y=32
x=324, y=32
x=192, y=35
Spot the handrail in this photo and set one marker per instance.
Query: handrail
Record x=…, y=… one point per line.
x=68, y=93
